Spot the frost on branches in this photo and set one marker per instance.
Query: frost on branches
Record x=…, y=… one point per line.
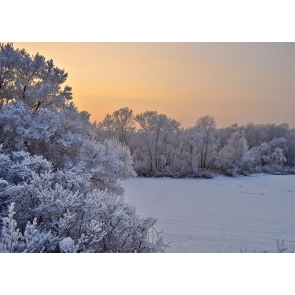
x=61, y=211
x=31, y=79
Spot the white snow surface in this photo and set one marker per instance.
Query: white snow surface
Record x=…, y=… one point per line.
x=218, y=215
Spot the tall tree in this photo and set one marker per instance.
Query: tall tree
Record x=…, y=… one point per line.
x=31, y=79
x=119, y=125
x=156, y=135
x=207, y=125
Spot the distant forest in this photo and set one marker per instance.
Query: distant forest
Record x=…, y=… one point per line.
x=160, y=147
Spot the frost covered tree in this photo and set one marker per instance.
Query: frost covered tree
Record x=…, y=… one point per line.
x=207, y=125
x=124, y=124
x=58, y=136
x=256, y=134
x=36, y=112
x=155, y=140
x=31, y=79
x=119, y=125
x=232, y=157
x=191, y=144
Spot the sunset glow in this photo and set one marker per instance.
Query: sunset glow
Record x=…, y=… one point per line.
x=233, y=82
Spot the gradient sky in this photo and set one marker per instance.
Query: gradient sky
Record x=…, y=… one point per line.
x=233, y=82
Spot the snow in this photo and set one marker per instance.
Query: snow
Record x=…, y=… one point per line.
x=218, y=215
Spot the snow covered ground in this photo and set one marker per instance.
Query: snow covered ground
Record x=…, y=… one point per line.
x=223, y=214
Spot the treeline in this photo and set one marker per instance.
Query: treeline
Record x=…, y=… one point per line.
x=160, y=147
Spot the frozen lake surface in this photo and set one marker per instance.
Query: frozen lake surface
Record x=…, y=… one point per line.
x=218, y=215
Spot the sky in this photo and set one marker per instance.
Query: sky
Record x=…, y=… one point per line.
x=233, y=82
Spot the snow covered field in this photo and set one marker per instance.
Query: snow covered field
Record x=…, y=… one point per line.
x=223, y=214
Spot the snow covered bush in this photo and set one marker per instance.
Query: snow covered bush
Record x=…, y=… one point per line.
x=232, y=157
x=61, y=212
x=268, y=158
x=33, y=239
x=17, y=167
x=108, y=162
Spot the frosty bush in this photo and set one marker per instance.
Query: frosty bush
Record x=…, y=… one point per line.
x=232, y=157
x=108, y=162
x=62, y=212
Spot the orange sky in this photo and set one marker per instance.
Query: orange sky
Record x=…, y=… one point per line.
x=233, y=82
